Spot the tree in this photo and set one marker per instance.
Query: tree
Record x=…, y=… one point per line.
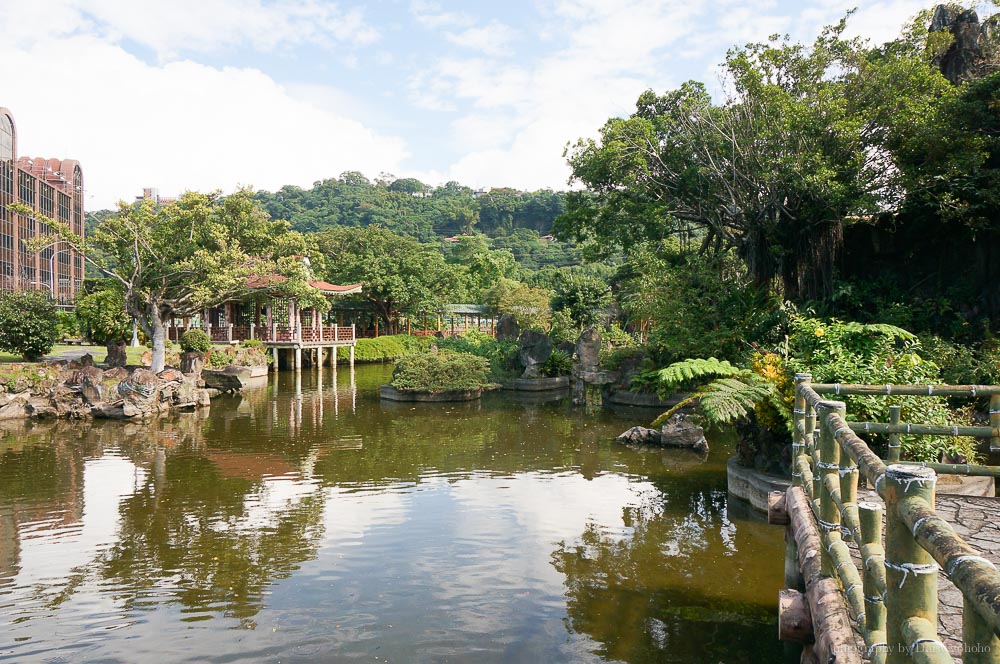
x=774, y=173
x=29, y=323
x=584, y=297
x=399, y=273
x=529, y=306
x=178, y=259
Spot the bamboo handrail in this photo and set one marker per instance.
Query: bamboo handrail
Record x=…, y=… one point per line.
x=893, y=598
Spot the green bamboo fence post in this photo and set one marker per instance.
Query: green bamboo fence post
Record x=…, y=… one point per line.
x=995, y=422
x=872, y=555
x=979, y=641
x=910, y=571
x=893, y=455
x=799, y=419
x=829, y=513
x=848, y=469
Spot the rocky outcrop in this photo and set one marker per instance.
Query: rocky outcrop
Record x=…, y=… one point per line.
x=79, y=392
x=679, y=431
x=507, y=328
x=535, y=350
x=230, y=379
x=116, y=354
x=192, y=364
x=965, y=57
x=588, y=349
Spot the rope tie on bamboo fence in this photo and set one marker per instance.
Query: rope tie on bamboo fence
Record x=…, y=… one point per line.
x=906, y=569
x=842, y=430
x=872, y=647
x=828, y=527
x=826, y=465
x=873, y=600
x=915, y=480
x=843, y=472
x=973, y=390
x=913, y=646
x=888, y=389
x=799, y=411
x=994, y=412
x=873, y=557
x=836, y=388
x=952, y=564
x=878, y=479
x=930, y=390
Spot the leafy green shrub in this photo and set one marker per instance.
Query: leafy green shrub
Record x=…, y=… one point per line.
x=500, y=354
x=102, y=316
x=219, y=359
x=29, y=323
x=196, y=341
x=69, y=326
x=558, y=364
x=440, y=371
x=613, y=359
x=381, y=349
x=252, y=343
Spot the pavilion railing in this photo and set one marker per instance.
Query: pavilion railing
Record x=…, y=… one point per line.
x=893, y=599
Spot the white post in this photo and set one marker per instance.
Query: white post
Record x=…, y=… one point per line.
x=229, y=332
x=252, y=326
x=352, y=357
x=275, y=359
x=298, y=358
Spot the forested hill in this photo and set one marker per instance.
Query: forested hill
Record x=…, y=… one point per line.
x=413, y=208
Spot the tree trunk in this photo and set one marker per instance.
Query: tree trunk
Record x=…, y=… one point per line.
x=159, y=335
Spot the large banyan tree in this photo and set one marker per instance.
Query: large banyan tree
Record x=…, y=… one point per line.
x=798, y=148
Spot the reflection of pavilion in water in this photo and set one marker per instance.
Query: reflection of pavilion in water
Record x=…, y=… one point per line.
x=328, y=394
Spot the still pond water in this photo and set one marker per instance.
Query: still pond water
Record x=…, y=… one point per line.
x=307, y=521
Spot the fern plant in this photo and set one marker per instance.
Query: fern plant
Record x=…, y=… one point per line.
x=731, y=394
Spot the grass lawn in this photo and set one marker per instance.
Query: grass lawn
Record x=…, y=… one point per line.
x=134, y=355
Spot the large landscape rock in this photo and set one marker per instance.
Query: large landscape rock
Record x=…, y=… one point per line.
x=964, y=59
x=116, y=354
x=507, y=328
x=88, y=382
x=141, y=393
x=680, y=431
x=640, y=436
x=230, y=379
x=192, y=363
x=535, y=350
x=588, y=349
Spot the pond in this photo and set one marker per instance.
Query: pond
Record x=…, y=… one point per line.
x=307, y=521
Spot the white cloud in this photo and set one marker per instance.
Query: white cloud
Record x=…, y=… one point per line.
x=493, y=39
x=432, y=15
x=177, y=126
x=188, y=25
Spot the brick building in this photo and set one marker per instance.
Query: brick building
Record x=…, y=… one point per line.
x=54, y=188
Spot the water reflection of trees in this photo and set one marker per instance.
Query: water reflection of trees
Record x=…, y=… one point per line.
x=690, y=584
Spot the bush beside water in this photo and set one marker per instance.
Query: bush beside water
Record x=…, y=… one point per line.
x=445, y=370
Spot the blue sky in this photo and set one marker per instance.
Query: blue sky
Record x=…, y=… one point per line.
x=206, y=94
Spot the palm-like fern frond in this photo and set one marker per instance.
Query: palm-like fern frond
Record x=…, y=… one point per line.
x=691, y=369
x=727, y=399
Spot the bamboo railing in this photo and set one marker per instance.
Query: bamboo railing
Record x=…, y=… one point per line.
x=892, y=599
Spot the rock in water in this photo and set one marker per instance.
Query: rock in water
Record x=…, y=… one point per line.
x=640, y=436
x=680, y=431
x=534, y=352
x=141, y=393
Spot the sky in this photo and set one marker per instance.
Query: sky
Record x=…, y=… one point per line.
x=216, y=94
